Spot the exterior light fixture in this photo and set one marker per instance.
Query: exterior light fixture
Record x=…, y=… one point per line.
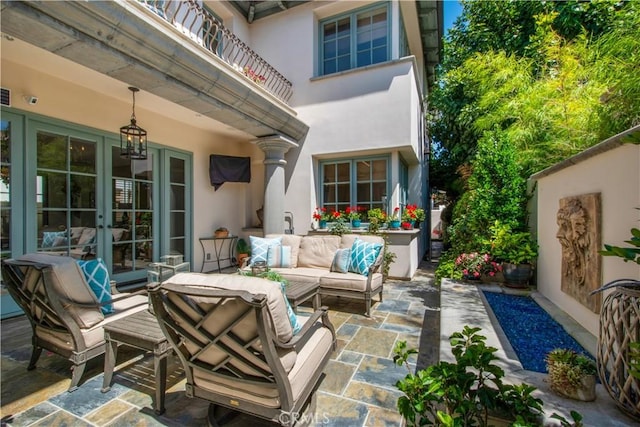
x=133, y=139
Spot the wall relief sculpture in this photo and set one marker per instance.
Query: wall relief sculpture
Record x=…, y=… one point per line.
x=579, y=234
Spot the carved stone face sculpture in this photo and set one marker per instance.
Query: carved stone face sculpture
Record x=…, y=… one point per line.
x=579, y=219
x=574, y=239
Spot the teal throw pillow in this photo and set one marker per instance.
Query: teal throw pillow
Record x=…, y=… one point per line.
x=279, y=256
x=97, y=276
x=260, y=248
x=49, y=238
x=341, y=261
x=363, y=255
x=293, y=318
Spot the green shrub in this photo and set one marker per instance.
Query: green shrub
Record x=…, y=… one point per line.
x=447, y=267
x=496, y=191
x=463, y=393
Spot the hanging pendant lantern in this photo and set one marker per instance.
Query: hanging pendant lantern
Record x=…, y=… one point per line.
x=133, y=139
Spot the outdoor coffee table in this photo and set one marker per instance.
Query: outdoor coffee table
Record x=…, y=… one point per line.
x=139, y=330
x=299, y=292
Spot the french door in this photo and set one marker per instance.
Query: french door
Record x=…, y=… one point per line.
x=65, y=190
x=91, y=203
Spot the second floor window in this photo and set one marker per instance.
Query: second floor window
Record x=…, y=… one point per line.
x=357, y=39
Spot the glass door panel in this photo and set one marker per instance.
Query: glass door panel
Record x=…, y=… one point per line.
x=66, y=186
x=132, y=205
x=177, y=206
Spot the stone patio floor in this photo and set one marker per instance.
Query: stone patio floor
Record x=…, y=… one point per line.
x=358, y=388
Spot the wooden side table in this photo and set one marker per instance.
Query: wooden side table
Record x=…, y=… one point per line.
x=139, y=330
x=299, y=292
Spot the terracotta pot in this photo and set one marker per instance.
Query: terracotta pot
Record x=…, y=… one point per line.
x=221, y=233
x=242, y=258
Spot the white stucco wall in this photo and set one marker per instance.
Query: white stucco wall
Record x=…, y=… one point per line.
x=615, y=174
x=371, y=110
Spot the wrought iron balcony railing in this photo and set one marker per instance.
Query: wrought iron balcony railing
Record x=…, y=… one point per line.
x=206, y=30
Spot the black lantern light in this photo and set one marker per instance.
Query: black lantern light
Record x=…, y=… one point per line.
x=133, y=139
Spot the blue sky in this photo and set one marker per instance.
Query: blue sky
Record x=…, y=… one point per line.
x=452, y=9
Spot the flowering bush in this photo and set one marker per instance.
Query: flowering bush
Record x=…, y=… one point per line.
x=321, y=214
x=257, y=78
x=489, y=266
x=473, y=265
x=470, y=265
x=354, y=212
x=413, y=213
x=251, y=74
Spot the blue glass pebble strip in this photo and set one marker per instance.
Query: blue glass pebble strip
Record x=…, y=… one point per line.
x=530, y=330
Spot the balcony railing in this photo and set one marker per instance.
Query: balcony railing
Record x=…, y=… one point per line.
x=206, y=30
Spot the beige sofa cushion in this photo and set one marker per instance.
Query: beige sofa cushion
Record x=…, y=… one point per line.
x=301, y=274
x=68, y=281
x=318, y=251
x=254, y=285
x=350, y=281
x=290, y=240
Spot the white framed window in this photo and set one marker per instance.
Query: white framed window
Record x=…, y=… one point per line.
x=362, y=182
x=355, y=39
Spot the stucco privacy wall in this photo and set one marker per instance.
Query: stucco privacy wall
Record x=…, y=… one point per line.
x=614, y=172
x=232, y=206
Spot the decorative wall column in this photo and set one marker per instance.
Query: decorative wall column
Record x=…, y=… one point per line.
x=274, y=147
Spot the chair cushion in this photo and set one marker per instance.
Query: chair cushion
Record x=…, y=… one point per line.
x=255, y=285
x=318, y=251
x=75, y=233
x=60, y=241
x=97, y=277
x=260, y=247
x=118, y=233
x=363, y=256
x=302, y=274
x=68, y=281
x=88, y=236
x=279, y=256
x=349, y=281
x=341, y=261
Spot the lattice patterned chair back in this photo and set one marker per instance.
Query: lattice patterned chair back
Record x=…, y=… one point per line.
x=234, y=339
x=65, y=315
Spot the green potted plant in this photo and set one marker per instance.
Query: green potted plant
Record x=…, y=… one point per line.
x=354, y=214
x=467, y=392
x=377, y=218
x=394, y=219
x=243, y=251
x=571, y=374
x=516, y=250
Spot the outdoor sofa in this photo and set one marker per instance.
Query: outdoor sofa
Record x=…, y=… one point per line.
x=323, y=260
